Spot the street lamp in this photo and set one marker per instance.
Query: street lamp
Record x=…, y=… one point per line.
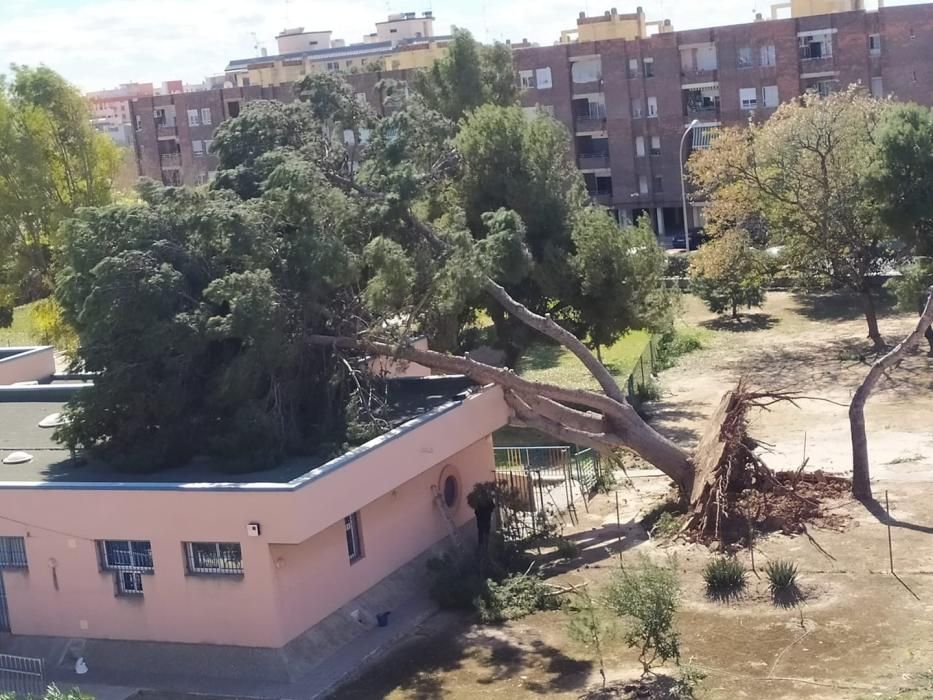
x=683, y=186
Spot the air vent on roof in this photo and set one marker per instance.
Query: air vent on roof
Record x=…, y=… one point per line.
x=17, y=458
x=53, y=420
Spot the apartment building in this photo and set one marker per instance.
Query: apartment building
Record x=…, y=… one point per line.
x=627, y=96
x=174, y=132
x=404, y=41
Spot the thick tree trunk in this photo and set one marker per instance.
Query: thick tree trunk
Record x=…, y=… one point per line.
x=861, y=472
x=871, y=318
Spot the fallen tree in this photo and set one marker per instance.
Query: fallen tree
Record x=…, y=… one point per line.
x=861, y=471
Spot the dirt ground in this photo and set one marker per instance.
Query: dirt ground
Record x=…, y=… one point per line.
x=858, y=633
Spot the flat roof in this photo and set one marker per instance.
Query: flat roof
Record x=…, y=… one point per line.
x=410, y=401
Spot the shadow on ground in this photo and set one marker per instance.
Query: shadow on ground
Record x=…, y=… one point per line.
x=745, y=323
x=839, y=307
x=541, y=356
x=483, y=657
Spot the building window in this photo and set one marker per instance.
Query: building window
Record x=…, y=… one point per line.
x=640, y=146
x=233, y=108
x=874, y=44
x=543, y=78
x=825, y=87
x=743, y=57
x=451, y=491
x=652, y=106
x=655, y=145
x=877, y=87
x=129, y=582
x=638, y=108
x=633, y=68
x=194, y=118
x=643, y=184
x=658, y=183
x=588, y=71
x=703, y=136
x=649, y=67
x=348, y=63
x=748, y=98
x=816, y=45
x=207, y=146
x=527, y=79
x=206, y=116
x=768, y=57
x=769, y=95
x=214, y=558
x=133, y=555
x=352, y=525
x=197, y=148
x=13, y=553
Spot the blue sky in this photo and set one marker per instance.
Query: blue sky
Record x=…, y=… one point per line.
x=100, y=43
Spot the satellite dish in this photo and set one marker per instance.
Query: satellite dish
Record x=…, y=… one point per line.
x=53, y=420
x=17, y=458
x=80, y=666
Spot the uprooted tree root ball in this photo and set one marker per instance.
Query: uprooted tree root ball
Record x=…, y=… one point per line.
x=735, y=494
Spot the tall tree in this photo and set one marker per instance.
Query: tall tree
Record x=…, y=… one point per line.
x=806, y=174
x=903, y=177
x=51, y=163
x=470, y=75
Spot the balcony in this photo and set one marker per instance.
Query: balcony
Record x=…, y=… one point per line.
x=592, y=119
x=170, y=160
x=702, y=103
x=603, y=197
x=593, y=161
x=166, y=131
x=699, y=75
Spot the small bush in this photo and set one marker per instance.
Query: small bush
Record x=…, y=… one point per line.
x=688, y=680
x=678, y=265
x=647, y=597
x=647, y=391
x=782, y=576
x=668, y=525
x=455, y=583
x=724, y=576
x=517, y=596
x=674, y=344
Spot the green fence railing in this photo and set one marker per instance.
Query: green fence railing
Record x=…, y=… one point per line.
x=645, y=366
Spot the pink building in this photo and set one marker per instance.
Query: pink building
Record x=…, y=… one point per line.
x=201, y=556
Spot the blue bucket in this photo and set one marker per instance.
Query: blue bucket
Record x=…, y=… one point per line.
x=382, y=619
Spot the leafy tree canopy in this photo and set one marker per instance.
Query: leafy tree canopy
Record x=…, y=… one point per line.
x=51, y=163
x=728, y=273
x=323, y=220
x=806, y=176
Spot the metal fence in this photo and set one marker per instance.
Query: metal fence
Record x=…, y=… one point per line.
x=543, y=484
x=21, y=675
x=645, y=366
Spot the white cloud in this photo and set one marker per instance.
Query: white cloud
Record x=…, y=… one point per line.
x=101, y=43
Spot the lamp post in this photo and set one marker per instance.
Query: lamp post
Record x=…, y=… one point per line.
x=683, y=186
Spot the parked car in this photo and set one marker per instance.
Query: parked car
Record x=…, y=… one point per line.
x=697, y=238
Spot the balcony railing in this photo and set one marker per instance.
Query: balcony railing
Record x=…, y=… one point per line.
x=590, y=123
x=593, y=161
x=601, y=197
x=166, y=130
x=705, y=112
x=170, y=160
x=699, y=75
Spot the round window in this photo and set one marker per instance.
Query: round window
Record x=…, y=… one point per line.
x=451, y=491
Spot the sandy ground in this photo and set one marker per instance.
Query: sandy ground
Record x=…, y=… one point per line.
x=814, y=348
x=860, y=632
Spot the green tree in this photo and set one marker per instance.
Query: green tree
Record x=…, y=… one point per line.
x=54, y=693
x=470, y=75
x=647, y=597
x=806, y=176
x=903, y=177
x=51, y=163
x=728, y=272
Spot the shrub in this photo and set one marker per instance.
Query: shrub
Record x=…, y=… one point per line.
x=724, y=576
x=728, y=272
x=566, y=549
x=588, y=627
x=647, y=596
x=782, y=576
x=667, y=525
x=678, y=265
x=688, y=680
x=454, y=582
x=674, y=344
x=516, y=596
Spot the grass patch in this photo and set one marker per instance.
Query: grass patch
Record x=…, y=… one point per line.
x=546, y=362
x=664, y=520
x=23, y=331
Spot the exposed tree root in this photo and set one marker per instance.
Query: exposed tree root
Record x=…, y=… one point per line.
x=734, y=493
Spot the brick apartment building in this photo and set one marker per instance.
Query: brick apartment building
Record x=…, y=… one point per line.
x=627, y=97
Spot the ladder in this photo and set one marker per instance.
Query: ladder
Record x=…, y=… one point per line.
x=451, y=525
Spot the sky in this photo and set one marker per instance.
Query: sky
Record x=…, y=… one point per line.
x=98, y=44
